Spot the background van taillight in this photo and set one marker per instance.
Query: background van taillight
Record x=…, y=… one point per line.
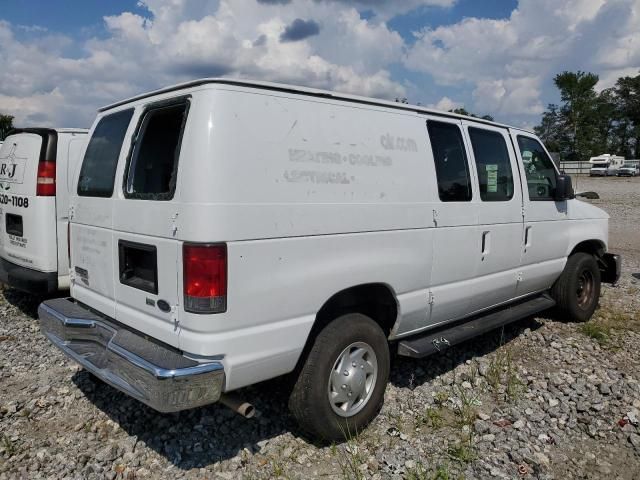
x=205, y=278
x=46, y=184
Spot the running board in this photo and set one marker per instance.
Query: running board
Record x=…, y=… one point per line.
x=436, y=341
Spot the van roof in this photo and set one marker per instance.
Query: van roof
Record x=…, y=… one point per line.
x=314, y=92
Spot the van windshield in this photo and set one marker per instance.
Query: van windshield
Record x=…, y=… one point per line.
x=101, y=158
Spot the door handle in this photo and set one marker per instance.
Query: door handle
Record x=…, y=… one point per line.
x=527, y=237
x=485, y=242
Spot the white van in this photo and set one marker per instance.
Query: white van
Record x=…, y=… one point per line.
x=36, y=171
x=227, y=232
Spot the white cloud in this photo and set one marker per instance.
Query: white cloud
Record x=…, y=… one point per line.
x=498, y=67
x=181, y=40
x=508, y=63
x=445, y=104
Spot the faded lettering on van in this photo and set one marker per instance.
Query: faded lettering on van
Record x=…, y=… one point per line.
x=334, y=158
x=20, y=242
x=312, y=176
x=401, y=144
x=91, y=245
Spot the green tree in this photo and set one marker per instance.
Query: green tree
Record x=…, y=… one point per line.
x=578, y=112
x=6, y=125
x=627, y=92
x=551, y=130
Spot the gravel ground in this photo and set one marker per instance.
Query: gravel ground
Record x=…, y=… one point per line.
x=540, y=399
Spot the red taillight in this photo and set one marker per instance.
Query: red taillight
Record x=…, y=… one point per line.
x=46, y=184
x=205, y=278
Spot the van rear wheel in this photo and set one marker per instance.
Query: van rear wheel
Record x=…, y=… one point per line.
x=577, y=291
x=341, y=385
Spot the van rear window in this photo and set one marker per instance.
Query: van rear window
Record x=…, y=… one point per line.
x=452, y=168
x=98, y=170
x=152, y=169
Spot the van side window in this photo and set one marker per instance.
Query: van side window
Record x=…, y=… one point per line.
x=98, y=170
x=152, y=170
x=541, y=174
x=493, y=164
x=452, y=169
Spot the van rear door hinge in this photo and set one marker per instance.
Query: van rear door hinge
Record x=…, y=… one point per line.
x=435, y=217
x=72, y=211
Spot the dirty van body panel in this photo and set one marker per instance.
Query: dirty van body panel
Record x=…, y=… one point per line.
x=28, y=221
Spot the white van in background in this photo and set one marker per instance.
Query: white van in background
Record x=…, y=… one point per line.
x=605, y=165
x=227, y=232
x=36, y=170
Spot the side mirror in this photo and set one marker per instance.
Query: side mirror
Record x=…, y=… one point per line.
x=564, y=188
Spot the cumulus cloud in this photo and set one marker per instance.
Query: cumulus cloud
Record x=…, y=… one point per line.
x=500, y=67
x=508, y=63
x=178, y=40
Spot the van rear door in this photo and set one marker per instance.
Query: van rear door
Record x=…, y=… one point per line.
x=28, y=158
x=147, y=251
x=91, y=214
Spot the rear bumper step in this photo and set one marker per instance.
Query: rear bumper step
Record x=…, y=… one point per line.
x=150, y=372
x=439, y=340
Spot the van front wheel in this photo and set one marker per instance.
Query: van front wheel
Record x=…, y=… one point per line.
x=341, y=385
x=577, y=291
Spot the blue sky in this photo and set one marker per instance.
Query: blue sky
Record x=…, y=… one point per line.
x=63, y=59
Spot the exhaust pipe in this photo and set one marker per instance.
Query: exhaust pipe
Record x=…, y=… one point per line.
x=238, y=405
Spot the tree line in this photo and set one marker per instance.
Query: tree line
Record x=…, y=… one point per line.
x=588, y=123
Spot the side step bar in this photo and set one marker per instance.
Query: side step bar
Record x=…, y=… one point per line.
x=439, y=340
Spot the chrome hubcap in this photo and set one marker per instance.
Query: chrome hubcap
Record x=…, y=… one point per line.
x=352, y=379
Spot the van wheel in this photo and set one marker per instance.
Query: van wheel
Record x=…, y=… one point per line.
x=341, y=385
x=577, y=291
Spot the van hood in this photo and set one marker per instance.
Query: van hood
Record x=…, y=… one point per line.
x=580, y=210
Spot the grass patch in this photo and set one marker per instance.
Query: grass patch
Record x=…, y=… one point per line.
x=7, y=445
x=462, y=452
x=503, y=372
x=597, y=331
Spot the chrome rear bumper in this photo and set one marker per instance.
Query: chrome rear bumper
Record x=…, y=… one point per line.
x=149, y=371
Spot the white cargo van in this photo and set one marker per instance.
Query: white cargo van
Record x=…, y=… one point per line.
x=227, y=232
x=36, y=171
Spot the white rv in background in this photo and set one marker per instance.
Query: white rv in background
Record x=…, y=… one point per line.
x=605, y=164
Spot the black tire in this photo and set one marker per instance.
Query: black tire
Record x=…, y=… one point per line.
x=577, y=291
x=309, y=400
